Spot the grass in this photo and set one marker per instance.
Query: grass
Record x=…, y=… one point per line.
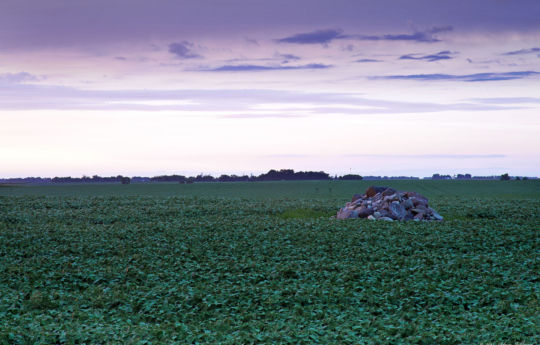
x=263, y=263
x=286, y=190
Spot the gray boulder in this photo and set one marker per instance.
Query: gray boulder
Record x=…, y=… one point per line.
x=397, y=211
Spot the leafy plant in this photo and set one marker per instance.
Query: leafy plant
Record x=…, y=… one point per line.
x=81, y=266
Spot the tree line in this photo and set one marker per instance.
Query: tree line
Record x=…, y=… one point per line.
x=271, y=175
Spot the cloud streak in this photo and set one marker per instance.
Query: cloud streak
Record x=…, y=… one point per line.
x=326, y=36
x=288, y=57
x=223, y=103
x=367, y=60
x=430, y=156
x=507, y=100
x=183, y=50
x=523, y=51
x=16, y=78
x=477, y=77
x=260, y=68
x=427, y=36
x=442, y=55
x=316, y=37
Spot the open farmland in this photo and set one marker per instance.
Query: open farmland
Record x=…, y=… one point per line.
x=232, y=263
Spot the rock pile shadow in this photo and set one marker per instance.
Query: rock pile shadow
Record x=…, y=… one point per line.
x=383, y=203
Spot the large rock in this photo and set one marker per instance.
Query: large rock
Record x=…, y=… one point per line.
x=388, y=191
x=397, y=211
x=364, y=212
x=346, y=213
x=437, y=216
x=356, y=197
x=373, y=190
x=408, y=204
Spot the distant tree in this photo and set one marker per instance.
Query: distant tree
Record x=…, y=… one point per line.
x=289, y=174
x=169, y=178
x=351, y=177
x=441, y=177
x=125, y=180
x=204, y=178
x=463, y=177
x=505, y=177
x=232, y=178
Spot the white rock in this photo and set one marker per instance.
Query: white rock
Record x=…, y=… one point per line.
x=437, y=216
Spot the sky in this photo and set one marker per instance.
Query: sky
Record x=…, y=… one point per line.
x=382, y=87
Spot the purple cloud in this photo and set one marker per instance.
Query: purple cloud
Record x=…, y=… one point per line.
x=31, y=96
x=17, y=78
x=289, y=57
x=257, y=68
x=315, y=37
x=427, y=36
x=523, y=51
x=507, y=100
x=367, y=60
x=442, y=55
x=328, y=35
x=431, y=156
x=466, y=77
x=183, y=50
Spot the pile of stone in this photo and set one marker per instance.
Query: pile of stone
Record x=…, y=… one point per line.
x=382, y=203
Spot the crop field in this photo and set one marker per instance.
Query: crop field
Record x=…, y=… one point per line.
x=263, y=263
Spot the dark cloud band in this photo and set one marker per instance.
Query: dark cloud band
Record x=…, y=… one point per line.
x=328, y=35
x=477, y=77
x=523, y=51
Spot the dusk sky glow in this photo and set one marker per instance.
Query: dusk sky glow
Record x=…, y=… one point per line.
x=381, y=87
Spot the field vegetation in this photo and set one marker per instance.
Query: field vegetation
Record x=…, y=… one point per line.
x=263, y=262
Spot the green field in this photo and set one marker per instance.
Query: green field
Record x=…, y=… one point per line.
x=233, y=263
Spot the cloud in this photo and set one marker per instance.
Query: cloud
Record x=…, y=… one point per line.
x=314, y=37
x=367, y=60
x=183, y=50
x=507, y=100
x=430, y=156
x=427, y=36
x=328, y=35
x=121, y=58
x=256, y=68
x=251, y=41
x=17, y=78
x=276, y=58
x=249, y=103
x=471, y=61
x=288, y=57
x=442, y=55
x=523, y=51
x=464, y=77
